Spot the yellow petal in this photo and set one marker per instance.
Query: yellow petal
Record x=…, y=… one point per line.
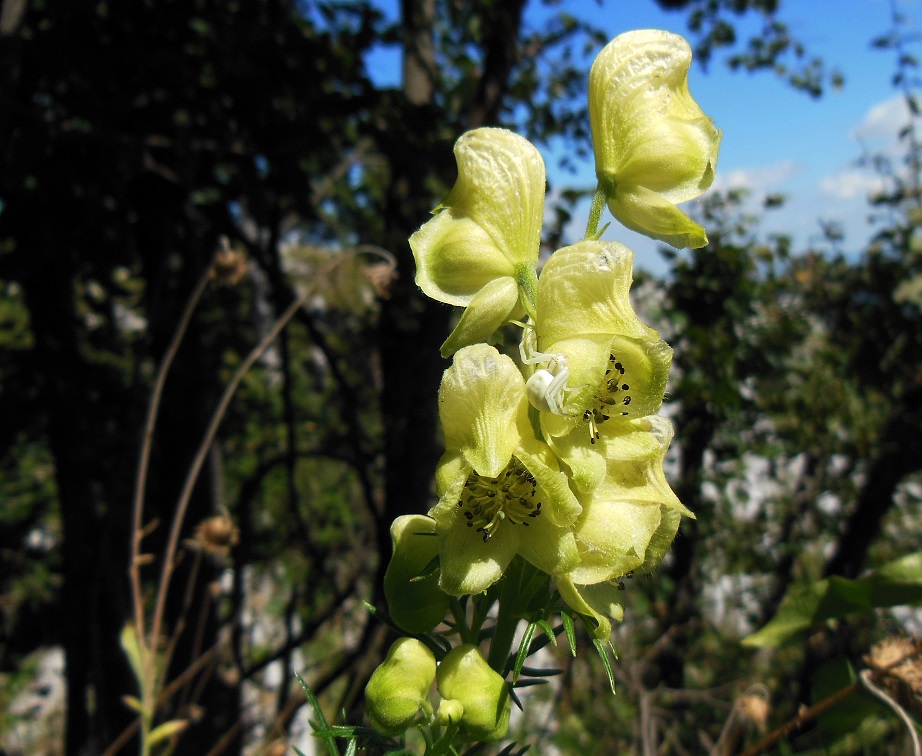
x=455, y=258
x=612, y=535
x=480, y=400
x=646, y=212
x=500, y=186
x=470, y=565
x=644, y=121
x=584, y=289
x=496, y=303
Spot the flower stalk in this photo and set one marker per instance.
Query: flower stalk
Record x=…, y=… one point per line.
x=551, y=488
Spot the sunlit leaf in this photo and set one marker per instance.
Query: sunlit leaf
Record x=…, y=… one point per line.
x=893, y=584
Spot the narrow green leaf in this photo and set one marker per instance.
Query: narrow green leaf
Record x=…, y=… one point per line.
x=424, y=731
x=522, y=655
x=548, y=631
x=570, y=631
x=167, y=730
x=531, y=682
x=330, y=741
x=515, y=699
x=602, y=648
x=540, y=672
x=131, y=645
x=133, y=703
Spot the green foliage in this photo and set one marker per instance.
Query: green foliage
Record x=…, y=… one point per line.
x=895, y=584
x=134, y=135
x=774, y=48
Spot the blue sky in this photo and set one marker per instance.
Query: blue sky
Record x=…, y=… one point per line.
x=778, y=140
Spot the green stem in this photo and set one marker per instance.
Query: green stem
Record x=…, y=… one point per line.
x=467, y=636
x=527, y=278
x=595, y=212
x=507, y=618
x=482, y=606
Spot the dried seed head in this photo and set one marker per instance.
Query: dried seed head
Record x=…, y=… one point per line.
x=277, y=748
x=754, y=709
x=216, y=535
x=229, y=265
x=901, y=679
x=380, y=275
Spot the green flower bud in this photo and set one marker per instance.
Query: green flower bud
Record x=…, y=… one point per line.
x=450, y=712
x=470, y=687
x=396, y=696
x=416, y=605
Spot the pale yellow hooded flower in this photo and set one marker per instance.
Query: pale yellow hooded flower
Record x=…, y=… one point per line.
x=501, y=492
x=654, y=146
x=480, y=250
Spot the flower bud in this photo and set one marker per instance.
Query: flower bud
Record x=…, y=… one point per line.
x=415, y=605
x=471, y=687
x=450, y=712
x=396, y=696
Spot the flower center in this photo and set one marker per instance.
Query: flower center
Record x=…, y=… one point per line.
x=612, y=398
x=512, y=496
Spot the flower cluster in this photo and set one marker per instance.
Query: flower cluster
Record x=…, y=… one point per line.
x=557, y=457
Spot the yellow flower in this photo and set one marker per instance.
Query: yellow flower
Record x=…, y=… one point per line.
x=654, y=146
x=627, y=523
x=481, y=248
x=500, y=490
x=617, y=365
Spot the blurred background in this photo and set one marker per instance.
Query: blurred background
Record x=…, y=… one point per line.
x=301, y=141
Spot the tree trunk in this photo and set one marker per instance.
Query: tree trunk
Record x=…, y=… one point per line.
x=900, y=455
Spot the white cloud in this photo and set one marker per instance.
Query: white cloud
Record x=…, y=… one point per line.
x=758, y=179
x=883, y=120
x=850, y=183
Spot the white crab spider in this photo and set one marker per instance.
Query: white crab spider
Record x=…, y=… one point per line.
x=546, y=388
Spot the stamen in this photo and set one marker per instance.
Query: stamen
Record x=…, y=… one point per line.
x=611, y=395
x=488, y=502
